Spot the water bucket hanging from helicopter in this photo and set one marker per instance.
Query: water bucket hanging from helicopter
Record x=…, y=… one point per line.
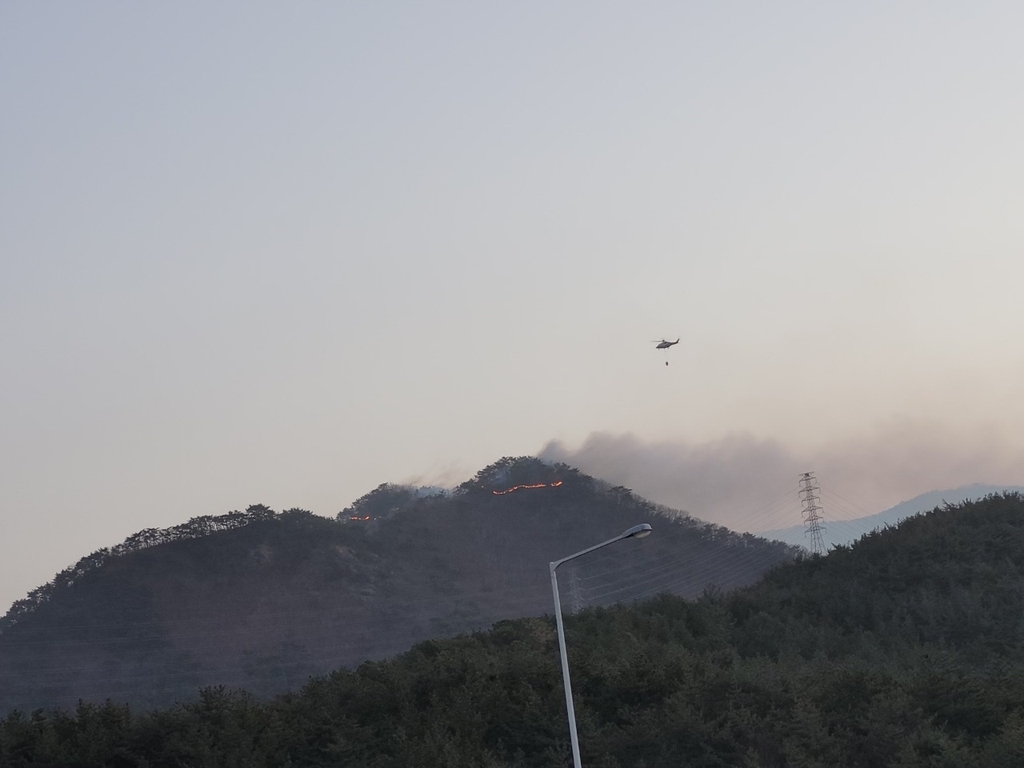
x=664, y=344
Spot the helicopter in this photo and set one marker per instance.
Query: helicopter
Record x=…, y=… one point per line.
x=665, y=344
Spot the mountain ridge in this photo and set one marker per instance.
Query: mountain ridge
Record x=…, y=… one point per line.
x=904, y=649
x=264, y=600
x=845, y=532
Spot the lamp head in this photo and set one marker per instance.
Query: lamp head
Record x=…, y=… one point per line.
x=638, y=531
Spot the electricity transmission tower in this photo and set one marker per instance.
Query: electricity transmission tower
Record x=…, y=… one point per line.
x=811, y=501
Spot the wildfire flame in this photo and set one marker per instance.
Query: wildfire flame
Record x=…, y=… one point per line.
x=522, y=487
x=357, y=517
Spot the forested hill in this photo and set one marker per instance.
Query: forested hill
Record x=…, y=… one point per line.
x=264, y=600
x=906, y=649
x=844, y=532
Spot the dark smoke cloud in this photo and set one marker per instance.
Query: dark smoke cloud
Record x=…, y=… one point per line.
x=748, y=483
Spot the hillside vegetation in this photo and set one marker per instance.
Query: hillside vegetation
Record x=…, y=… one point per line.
x=906, y=649
x=263, y=601
x=844, y=532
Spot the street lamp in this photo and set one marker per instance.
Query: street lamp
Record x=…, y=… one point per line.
x=636, y=532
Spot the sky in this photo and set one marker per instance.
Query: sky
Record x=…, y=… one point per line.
x=282, y=253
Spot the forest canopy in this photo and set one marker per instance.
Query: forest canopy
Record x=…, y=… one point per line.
x=904, y=649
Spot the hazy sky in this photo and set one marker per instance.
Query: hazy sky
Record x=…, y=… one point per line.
x=281, y=253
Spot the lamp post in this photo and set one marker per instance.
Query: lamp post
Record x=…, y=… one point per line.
x=637, y=532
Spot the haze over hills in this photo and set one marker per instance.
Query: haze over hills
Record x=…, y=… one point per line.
x=264, y=600
x=903, y=650
x=845, y=532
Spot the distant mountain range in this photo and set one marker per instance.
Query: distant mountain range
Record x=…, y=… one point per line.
x=846, y=532
x=264, y=600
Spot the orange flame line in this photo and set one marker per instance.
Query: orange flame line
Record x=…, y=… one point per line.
x=519, y=487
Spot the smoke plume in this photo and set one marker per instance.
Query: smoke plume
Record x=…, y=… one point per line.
x=750, y=484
